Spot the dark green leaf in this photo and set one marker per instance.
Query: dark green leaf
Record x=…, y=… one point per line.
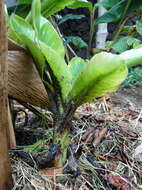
x=114, y=14
x=108, y=4
x=70, y=17
x=76, y=41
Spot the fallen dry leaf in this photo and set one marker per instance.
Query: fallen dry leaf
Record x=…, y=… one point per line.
x=101, y=135
x=88, y=132
x=119, y=182
x=52, y=172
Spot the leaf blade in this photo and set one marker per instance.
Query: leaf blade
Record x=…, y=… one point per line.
x=104, y=74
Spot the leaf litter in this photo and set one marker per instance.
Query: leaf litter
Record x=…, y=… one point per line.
x=104, y=152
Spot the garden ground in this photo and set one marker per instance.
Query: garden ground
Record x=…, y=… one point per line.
x=105, y=151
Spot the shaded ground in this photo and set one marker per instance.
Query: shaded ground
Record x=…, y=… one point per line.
x=106, y=150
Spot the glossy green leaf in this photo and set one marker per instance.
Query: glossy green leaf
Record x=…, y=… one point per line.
x=50, y=7
x=70, y=17
x=36, y=53
x=81, y=4
x=108, y=4
x=36, y=14
x=104, y=74
x=21, y=26
x=14, y=36
x=59, y=68
x=112, y=15
x=76, y=66
x=115, y=12
x=132, y=57
x=50, y=36
x=76, y=41
x=26, y=35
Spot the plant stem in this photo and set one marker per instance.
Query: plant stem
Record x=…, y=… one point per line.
x=91, y=33
x=122, y=21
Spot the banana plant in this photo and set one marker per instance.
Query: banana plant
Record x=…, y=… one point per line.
x=71, y=84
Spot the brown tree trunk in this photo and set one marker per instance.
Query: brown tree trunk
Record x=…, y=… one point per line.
x=5, y=170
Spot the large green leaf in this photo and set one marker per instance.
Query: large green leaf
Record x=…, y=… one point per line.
x=26, y=34
x=50, y=36
x=59, y=69
x=76, y=66
x=103, y=74
x=112, y=15
x=116, y=10
x=35, y=52
x=132, y=57
x=108, y=4
x=121, y=44
x=50, y=7
x=14, y=36
x=21, y=26
x=36, y=14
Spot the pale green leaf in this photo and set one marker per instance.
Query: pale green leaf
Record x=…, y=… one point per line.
x=50, y=36
x=103, y=74
x=132, y=57
x=76, y=66
x=21, y=26
x=59, y=68
x=26, y=34
x=36, y=14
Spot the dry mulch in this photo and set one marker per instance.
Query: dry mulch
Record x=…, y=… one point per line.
x=106, y=150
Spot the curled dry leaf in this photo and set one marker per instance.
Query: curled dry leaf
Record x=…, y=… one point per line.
x=119, y=182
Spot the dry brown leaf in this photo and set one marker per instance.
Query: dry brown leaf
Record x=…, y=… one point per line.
x=87, y=134
x=51, y=172
x=107, y=157
x=101, y=135
x=117, y=181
